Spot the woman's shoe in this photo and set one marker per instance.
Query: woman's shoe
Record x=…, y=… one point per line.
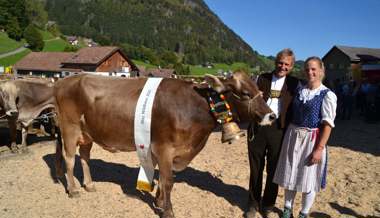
x=288, y=213
x=301, y=215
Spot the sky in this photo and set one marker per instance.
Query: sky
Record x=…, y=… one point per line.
x=309, y=27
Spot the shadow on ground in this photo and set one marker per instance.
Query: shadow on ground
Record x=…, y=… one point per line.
x=345, y=210
x=30, y=139
x=125, y=176
x=356, y=135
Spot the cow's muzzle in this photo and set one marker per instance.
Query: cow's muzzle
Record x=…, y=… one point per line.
x=268, y=119
x=12, y=113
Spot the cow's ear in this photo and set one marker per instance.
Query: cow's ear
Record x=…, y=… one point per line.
x=215, y=83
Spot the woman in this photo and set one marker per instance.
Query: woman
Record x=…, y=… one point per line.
x=303, y=158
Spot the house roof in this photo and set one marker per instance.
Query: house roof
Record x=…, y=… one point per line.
x=43, y=61
x=55, y=61
x=95, y=55
x=359, y=53
x=91, y=55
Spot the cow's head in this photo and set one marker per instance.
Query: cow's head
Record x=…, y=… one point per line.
x=9, y=99
x=244, y=96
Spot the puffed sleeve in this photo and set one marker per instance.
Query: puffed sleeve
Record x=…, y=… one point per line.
x=329, y=108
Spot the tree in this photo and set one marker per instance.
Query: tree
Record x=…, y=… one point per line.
x=167, y=58
x=36, y=13
x=71, y=48
x=34, y=38
x=149, y=55
x=103, y=40
x=53, y=29
x=16, y=9
x=13, y=29
x=180, y=69
x=4, y=14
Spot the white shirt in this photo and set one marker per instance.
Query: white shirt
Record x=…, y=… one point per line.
x=275, y=103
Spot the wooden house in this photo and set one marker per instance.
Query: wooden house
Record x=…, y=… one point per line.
x=344, y=63
x=103, y=60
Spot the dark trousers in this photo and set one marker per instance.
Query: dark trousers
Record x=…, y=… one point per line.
x=264, y=147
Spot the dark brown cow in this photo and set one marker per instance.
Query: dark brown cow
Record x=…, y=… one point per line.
x=21, y=101
x=101, y=110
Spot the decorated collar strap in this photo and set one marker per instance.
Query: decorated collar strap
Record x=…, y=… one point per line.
x=219, y=107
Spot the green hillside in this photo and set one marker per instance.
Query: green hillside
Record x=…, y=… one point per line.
x=7, y=44
x=10, y=60
x=166, y=33
x=187, y=27
x=57, y=44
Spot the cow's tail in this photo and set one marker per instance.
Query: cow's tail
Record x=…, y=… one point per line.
x=58, y=155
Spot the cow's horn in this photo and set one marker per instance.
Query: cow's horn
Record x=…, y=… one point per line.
x=215, y=83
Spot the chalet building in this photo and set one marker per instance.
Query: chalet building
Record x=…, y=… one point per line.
x=344, y=63
x=105, y=60
x=45, y=64
x=73, y=40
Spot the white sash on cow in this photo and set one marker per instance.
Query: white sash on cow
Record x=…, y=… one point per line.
x=143, y=118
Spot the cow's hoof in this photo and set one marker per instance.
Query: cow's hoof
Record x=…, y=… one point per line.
x=159, y=204
x=23, y=150
x=14, y=148
x=168, y=214
x=90, y=187
x=74, y=194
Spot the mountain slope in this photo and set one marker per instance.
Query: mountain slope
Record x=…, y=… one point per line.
x=187, y=27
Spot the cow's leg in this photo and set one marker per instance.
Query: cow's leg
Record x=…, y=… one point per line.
x=53, y=128
x=13, y=134
x=165, y=186
x=24, y=134
x=70, y=162
x=71, y=135
x=58, y=154
x=84, y=151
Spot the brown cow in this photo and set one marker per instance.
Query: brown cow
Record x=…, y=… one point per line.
x=23, y=100
x=99, y=109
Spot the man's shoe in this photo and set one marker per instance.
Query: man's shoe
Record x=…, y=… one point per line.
x=269, y=213
x=251, y=213
x=288, y=213
x=301, y=215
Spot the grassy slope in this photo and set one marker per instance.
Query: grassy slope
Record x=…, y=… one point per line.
x=57, y=44
x=46, y=35
x=10, y=60
x=7, y=44
x=143, y=64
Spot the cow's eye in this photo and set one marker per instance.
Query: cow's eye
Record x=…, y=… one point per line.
x=246, y=94
x=17, y=100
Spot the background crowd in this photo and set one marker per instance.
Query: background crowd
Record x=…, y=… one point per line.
x=361, y=98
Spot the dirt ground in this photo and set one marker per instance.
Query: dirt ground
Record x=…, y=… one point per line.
x=214, y=185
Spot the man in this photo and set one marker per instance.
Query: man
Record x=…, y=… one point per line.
x=264, y=142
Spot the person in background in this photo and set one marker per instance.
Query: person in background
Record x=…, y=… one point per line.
x=264, y=142
x=362, y=99
x=302, y=163
x=348, y=99
x=371, y=112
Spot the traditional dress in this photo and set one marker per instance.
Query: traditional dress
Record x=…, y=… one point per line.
x=310, y=109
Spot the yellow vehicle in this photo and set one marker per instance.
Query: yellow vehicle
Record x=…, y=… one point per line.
x=8, y=70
